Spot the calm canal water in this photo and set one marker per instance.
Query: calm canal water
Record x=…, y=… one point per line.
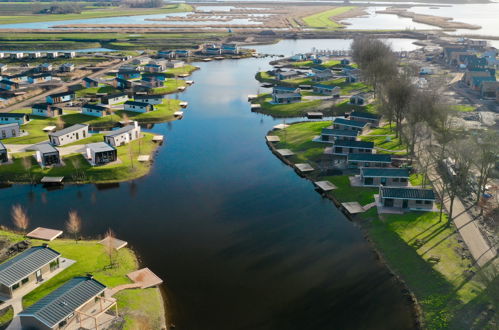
x=241, y=241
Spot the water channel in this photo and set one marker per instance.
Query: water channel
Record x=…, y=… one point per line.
x=240, y=240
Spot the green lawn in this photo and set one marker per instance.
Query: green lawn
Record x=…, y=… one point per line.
x=97, y=137
x=462, y=108
x=95, y=13
x=95, y=90
x=285, y=110
x=324, y=19
x=186, y=69
x=327, y=64
x=298, y=138
x=91, y=258
x=169, y=86
x=347, y=193
x=387, y=140
x=164, y=112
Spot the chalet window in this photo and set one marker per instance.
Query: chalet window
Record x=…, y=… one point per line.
x=419, y=202
x=25, y=280
x=427, y=202
x=15, y=286
x=403, y=180
x=54, y=265
x=395, y=179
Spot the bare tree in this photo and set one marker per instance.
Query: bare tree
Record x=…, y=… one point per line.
x=59, y=123
x=26, y=163
x=487, y=149
x=109, y=246
x=19, y=218
x=73, y=225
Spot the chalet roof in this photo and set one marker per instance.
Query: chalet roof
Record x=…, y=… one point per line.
x=100, y=147
x=339, y=132
x=363, y=157
x=61, y=94
x=407, y=193
x=354, y=144
x=349, y=122
x=13, y=115
x=63, y=302
x=386, y=172
x=25, y=264
x=46, y=148
x=9, y=125
x=68, y=130
x=331, y=87
x=95, y=107
x=139, y=104
x=363, y=114
x=148, y=96
x=7, y=82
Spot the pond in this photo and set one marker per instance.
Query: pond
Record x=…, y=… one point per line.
x=240, y=240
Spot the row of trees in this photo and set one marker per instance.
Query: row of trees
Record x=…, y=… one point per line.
x=73, y=226
x=424, y=123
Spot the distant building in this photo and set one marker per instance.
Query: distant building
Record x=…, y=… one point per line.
x=101, y=153
x=60, y=97
x=67, y=67
x=47, y=155
x=368, y=160
x=322, y=74
x=333, y=91
x=230, y=49
x=52, y=54
x=8, y=85
x=9, y=130
x=345, y=147
x=89, y=82
x=40, y=78
x=347, y=124
x=283, y=75
x=367, y=117
x=405, y=198
x=69, y=54
x=69, y=135
x=360, y=99
x=45, y=67
x=16, y=56
x=95, y=110
x=4, y=154
x=138, y=106
x=12, y=117
x=175, y=64
x=286, y=98
x=330, y=134
x=150, y=99
x=387, y=176
x=114, y=98
x=123, y=135
x=34, y=55
x=128, y=74
x=46, y=110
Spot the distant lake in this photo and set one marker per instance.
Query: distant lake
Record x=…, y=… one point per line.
x=241, y=241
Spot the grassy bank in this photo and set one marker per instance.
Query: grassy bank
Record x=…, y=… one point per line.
x=285, y=110
x=77, y=169
x=425, y=252
x=95, y=13
x=91, y=258
x=324, y=20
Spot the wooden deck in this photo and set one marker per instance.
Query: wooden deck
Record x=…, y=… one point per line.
x=314, y=115
x=353, y=207
x=325, y=185
x=273, y=138
x=285, y=152
x=281, y=126
x=145, y=278
x=115, y=243
x=52, y=179
x=45, y=234
x=304, y=167
x=144, y=158
x=158, y=138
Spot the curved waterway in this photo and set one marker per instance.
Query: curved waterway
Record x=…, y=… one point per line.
x=240, y=240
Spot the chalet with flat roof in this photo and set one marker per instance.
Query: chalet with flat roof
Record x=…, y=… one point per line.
x=175, y=64
x=69, y=54
x=333, y=91
x=283, y=75
x=477, y=82
x=34, y=55
x=230, y=49
x=46, y=110
x=16, y=56
x=69, y=135
x=123, y=135
x=368, y=160
x=345, y=147
x=28, y=267
x=60, y=97
x=286, y=98
x=360, y=99
x=45, y=67
x=95, y=110
x=387, y=176
x=167, y=53
x=67, y=67
x=322, y=74
x=80, y=303
x=285, y=90
x=153, y=67
x=114, y=98
x=406, y=198
x=4, y=154
x=47, y=155
x=8, y=85
x=122, y=83
x=348, y=124
x=138, y=106
x=101, y=153
x=149, y=99
x=9, y=130
x=212, y=50
x=89, y=82
x=148, y=83
x=183, y=53
x=367, y=117
x=12, y=117
x=469, y=75
x=128, y=74
x=52, y=54
x=329, y=134
x=39, y=78
x=154, y=75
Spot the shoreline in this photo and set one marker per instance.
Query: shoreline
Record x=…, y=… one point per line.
x=415, y=306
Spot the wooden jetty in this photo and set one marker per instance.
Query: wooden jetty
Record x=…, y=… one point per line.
x=267, y=85
x=114, y=242
x=252, y=97
x=285, y=152
x=144, y=158
x=48, y=129
x=184, y=75
x=184, y=104
x=353, y=207
x=52, y=179
x=44, y=234
x=158, y=138
x=181, y=88
x=304, y=167
x=325, y=185
x=255, y=107
x=273, y=138
x=178, y=113
x=314, y=115
x=207, y=59
x=189, y=82
x=281, y=126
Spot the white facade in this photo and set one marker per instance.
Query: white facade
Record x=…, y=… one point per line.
x=137, y=107
x=150, y=99
x=9, y=130
x=123, y=135
x=69, y=135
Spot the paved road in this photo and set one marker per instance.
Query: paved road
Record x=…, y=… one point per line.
x=28, y=102
x=468, y=229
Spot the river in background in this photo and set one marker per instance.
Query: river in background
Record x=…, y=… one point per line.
x=240, y=240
